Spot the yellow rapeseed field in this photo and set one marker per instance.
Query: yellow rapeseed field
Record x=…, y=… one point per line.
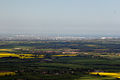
x=21, y=56
x=41, y=56
x=90, y=45
x=116, y=75
x=7, y=73
x=65, y=55
x=5, y=49
x=8, y=55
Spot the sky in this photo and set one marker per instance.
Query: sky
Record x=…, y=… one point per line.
x=60, y=16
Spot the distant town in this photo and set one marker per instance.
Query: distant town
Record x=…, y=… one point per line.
x=51, y=37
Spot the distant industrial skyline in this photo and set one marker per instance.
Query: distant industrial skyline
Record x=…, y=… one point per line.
x=91, y=17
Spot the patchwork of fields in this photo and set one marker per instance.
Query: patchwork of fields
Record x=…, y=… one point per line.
x=59, y=60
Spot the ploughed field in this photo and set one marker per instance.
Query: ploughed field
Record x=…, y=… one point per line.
x=60, y=60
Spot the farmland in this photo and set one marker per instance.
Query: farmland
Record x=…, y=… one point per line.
x=60, y=60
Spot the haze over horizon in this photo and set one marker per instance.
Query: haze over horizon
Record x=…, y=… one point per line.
x=60, y=16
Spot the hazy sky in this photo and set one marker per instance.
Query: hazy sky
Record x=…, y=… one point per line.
x=60, y=16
